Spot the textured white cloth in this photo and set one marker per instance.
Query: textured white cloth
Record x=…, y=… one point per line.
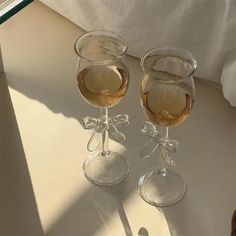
x=206, y=28
x=228, y=78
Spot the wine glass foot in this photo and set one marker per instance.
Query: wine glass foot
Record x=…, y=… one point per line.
x=161, y=187
x=106, y=170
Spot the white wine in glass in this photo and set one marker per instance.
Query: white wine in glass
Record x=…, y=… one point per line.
x=103, y=86
x=103, y=79
x=167, y=97
x=166, y=104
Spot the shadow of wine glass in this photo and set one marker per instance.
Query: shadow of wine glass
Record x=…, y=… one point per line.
x=175, y=217
x=182, y=218
x=118, y=194
x=143, y=232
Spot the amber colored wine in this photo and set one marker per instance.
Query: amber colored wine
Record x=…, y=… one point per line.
x=103, y=86
x=166, y=104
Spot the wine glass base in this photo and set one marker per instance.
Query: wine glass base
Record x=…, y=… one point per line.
x=161, y=187
x=106, y=170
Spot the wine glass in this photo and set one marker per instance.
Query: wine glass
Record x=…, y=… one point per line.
x=103, y=79
x=167, y=96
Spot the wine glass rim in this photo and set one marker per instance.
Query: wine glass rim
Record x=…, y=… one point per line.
x=190, y=55
x=103, y=33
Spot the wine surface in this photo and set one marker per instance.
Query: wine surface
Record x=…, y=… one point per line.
x=166, y=104
x=103, y=86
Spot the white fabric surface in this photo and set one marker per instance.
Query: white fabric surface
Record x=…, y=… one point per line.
x=228, y=78
x=207, y=28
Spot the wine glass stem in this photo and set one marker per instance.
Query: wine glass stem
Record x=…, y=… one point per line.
x=162, y=162
x=105, y=137
x=165, y=132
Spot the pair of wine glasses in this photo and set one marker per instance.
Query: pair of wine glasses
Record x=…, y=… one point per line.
x=167, y=95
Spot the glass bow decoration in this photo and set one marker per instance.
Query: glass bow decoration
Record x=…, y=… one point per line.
x=166, y=146
x=100, y=125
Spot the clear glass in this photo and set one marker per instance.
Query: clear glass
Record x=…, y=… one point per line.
x=167, y=96
x=103, y=78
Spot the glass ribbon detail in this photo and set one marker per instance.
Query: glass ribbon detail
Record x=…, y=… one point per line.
x=100, y=125
x=166, y=146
